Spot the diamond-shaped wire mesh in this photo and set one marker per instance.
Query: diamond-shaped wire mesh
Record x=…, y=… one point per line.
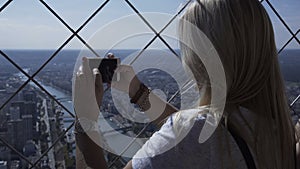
x=75, y=33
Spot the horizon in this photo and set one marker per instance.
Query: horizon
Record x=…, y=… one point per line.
x=29, y=25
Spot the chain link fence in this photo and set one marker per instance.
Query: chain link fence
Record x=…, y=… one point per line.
x=36, y=163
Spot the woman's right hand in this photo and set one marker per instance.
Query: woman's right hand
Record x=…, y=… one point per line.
x=88, y=91
x=128, y=81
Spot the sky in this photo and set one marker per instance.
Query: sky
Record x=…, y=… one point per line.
x=29, y=25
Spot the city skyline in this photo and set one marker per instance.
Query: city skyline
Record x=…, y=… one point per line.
x=36, y=118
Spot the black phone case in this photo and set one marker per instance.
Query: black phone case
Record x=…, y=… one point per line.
x=107, y=68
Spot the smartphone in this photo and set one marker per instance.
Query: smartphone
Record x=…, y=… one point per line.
x=106, y=67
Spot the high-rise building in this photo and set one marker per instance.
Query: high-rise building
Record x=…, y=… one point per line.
x=30, y=117
x=28, y=128
x=14, y=112
x=16, y=134
x=29, y=95
x=16, y=109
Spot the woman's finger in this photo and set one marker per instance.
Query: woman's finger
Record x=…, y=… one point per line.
x=97, y=77
x=85, y=66
x=98, y=86
x=88, y=74
x=96, y=73
x=79, y=72
x=110, y=56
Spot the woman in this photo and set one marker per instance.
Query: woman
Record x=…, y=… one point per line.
x=257, y=131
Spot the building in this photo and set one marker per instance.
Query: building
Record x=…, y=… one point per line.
x=15, y=133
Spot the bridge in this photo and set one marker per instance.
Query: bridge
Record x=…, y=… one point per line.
x=71, y=120
x=123, y=129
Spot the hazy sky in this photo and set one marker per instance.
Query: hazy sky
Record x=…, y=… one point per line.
x=27, y=24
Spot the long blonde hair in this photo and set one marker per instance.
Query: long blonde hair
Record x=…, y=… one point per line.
x=242, y=34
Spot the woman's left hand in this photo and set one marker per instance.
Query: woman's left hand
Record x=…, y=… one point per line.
x=88, y=92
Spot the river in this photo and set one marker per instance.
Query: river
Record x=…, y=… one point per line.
x=116, y=141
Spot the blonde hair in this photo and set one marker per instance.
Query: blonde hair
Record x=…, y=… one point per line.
x=242, y=34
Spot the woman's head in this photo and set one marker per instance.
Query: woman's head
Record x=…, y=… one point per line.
x=242, y=34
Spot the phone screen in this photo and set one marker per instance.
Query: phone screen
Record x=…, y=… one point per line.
x=107, y=68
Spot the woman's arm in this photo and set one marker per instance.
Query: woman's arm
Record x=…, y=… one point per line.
x=87, y=100
x=159, y=110
x=90, y=154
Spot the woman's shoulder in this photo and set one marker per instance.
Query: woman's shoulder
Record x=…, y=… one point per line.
x=178, y=137
x=175, y=128
x=162, y=147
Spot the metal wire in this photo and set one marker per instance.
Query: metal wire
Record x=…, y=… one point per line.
x=295, y=100
x=75, y=33
x=288, y=42
x=294, y=36
x=145, y=127
x=157, y=35
x=54, y=143
x=31, y=78
x=5, y=5
x=280, y=18
x=149, y=25
x=80, y=28
x=15, y=150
